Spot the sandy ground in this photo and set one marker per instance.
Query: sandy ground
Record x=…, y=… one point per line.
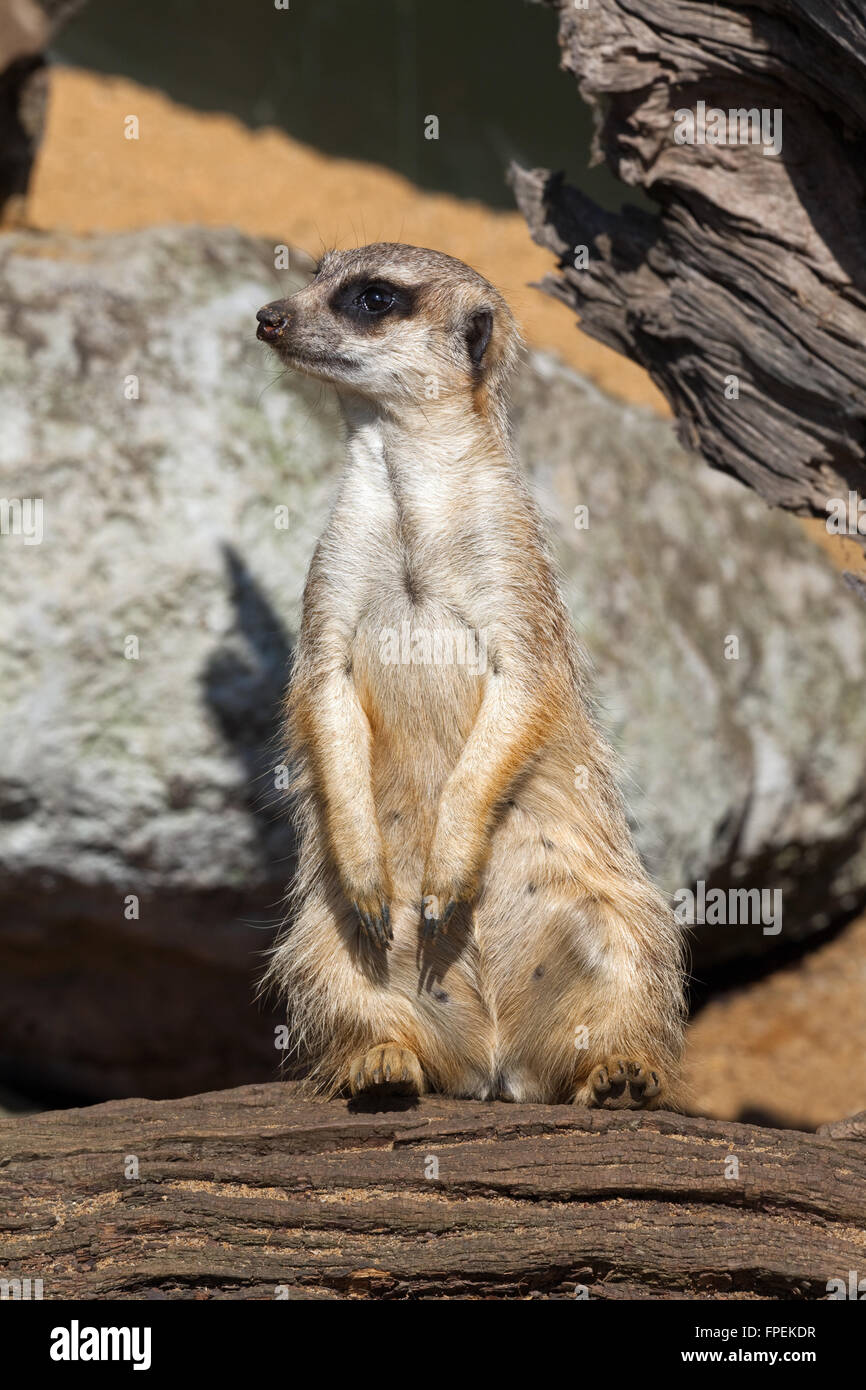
x=789, y=1047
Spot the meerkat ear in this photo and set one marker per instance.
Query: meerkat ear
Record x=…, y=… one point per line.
x=479, y=327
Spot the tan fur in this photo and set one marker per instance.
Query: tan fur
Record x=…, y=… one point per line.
x=426, y=783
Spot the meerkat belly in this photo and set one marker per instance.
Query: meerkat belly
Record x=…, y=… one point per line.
x=419, y=671
x=420, y=676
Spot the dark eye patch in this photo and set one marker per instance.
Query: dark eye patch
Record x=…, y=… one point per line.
x=367, y=301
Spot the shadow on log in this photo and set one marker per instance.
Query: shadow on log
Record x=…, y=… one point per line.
x=257, y=1193
x=745, y=296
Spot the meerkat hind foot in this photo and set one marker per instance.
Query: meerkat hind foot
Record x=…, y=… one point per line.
x=621, y=1083
x=388, y=1069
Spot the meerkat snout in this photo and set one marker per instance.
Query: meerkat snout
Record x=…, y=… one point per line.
x=398, y=324
x=273, y=321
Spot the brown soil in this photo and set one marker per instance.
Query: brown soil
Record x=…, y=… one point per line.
x=789, y=1047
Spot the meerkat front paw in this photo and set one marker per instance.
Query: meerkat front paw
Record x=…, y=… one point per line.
x=387, y=1068
x=450, y=878
x=374, y=916
x=369, y=892
x=620, y=1083
x=440, y=894
x=436, y=910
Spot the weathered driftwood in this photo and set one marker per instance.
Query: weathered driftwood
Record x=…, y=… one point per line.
x=257, y=1193
x=754, y=267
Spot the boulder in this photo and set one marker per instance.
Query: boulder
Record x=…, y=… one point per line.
x=162, y=483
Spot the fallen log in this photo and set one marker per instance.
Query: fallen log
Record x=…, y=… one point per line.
x=744, y=294
x=257, y=1193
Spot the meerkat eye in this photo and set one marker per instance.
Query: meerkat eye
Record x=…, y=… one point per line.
x=366, y=303
x=375, y=299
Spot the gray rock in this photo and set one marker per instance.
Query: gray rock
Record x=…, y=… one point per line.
x=153, y=776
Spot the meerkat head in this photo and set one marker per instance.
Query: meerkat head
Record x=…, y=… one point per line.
x=398, y=324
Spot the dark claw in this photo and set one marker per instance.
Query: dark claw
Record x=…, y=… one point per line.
x=366, y=924
x=377, y=926
x=432, y=924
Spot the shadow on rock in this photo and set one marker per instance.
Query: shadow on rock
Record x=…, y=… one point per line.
x=244, y=682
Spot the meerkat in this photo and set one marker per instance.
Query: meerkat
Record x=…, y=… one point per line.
x=470, y=915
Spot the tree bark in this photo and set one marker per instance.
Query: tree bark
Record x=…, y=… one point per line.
x=259, y=1193
x=744, y=295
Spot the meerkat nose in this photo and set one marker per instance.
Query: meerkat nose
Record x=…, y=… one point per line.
x=273, y=321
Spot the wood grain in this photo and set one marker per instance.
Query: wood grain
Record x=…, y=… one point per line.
x=244, y=1193
x=753, y=265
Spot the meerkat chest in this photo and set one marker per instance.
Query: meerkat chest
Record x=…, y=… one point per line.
x=415, y=646
x=416, y=555
x=420, y=648
x=419, y=560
